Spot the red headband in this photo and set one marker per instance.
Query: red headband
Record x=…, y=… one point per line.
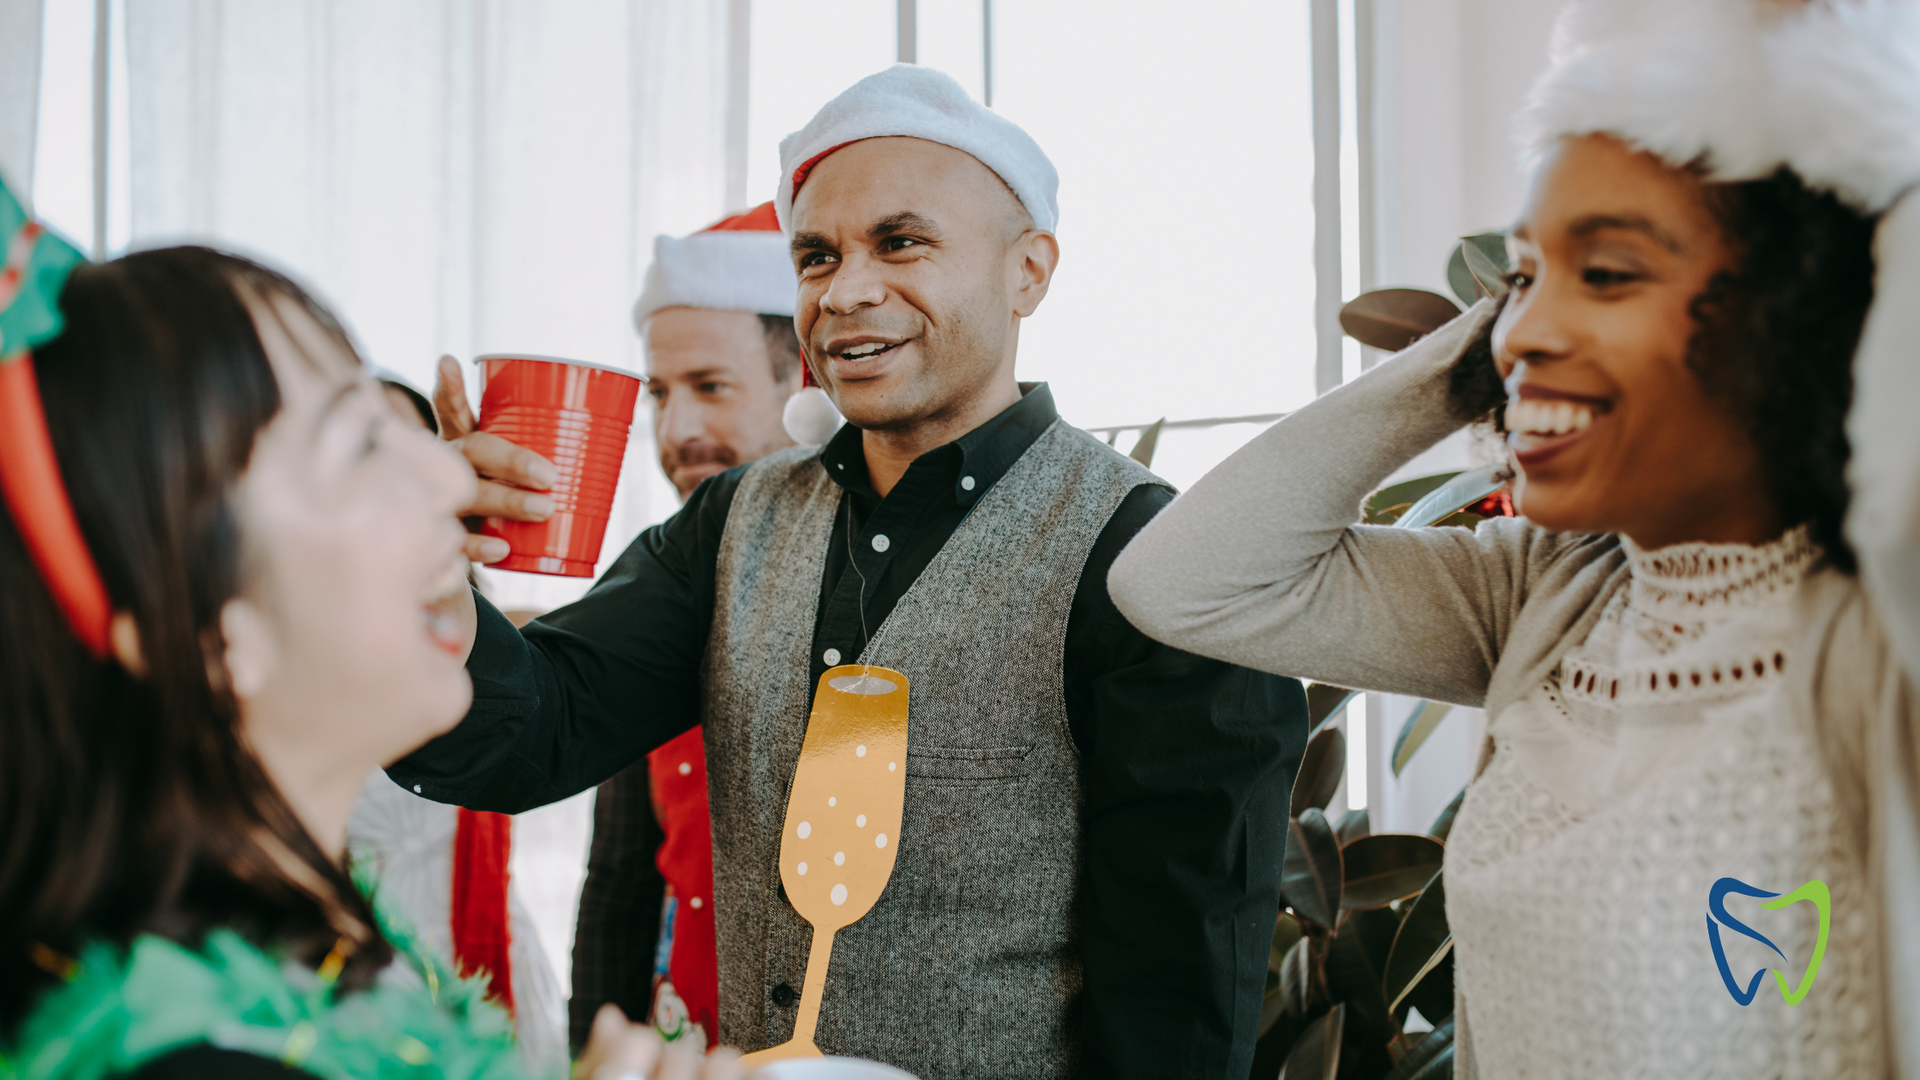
x=37, y=266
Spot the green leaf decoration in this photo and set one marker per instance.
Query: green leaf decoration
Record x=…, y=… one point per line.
x=1143, y=450
x=1356, y=969
x=1430, y=1059
x=1353, y=825
x=1324, y=702
x=1385, y=506
x=1294, y=995
x=1321, y=769
x=1310, y=875
x=1457, y=493
x=1392, y=319
x=1486, y=257
x=1379, y=869
x=31, y=318
x=1316, y=1054
x=1443, y=825
x=1422, y=942
x=1425, y=717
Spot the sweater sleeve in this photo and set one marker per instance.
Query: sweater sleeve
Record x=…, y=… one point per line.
x=1883, y=521
x=1263, y=563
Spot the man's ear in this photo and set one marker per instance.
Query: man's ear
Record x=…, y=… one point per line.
x=1032, y=260
x=251, y=653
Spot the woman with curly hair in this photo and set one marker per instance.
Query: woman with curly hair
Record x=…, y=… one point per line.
x=1697, y=647
x=224, y=573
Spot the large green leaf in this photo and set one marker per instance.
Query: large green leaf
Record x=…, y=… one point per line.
x=1385, y=867
x=1316, y=1053
x=1392, y=319
x=1460, y=279
x=1486, y=257
x=1297, y=992
x=1419, y=724
x=1421, y=943
x=1321, y=769
x=1286, y=931
x=1310, y=876
x=1356, y=968
x=1430, y=1059
x=1387, y=504
x=1143, y=450
x=1353, y=825
x=1443, y=825
x=1324, y=702
x=1458, y=492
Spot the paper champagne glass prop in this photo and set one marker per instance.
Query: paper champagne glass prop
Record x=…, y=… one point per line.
x=843, y=821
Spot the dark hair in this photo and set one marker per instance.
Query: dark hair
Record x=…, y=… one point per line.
x=1775, y=337
x=783, y=345
x=132, y=805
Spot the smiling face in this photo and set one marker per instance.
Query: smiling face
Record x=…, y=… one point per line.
x=1610, y=429
x=338, y=647
x=716, y=402
x=916, y=264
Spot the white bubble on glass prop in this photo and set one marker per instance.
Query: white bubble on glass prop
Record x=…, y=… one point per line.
x=860, y=751
x=863, y=684
x=861, y=821
x=802, y=868
x=891, y=764
x=839, y=858
x=880, y=840
x=685, y=768
x=832, y=800
x=805, y=830
x=839, y=895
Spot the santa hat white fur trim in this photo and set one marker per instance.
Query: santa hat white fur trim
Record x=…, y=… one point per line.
x=907, y=99
x=1829, y=88
x=727, y=270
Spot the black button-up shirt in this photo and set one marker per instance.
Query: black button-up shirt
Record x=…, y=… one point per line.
x=1187, y=762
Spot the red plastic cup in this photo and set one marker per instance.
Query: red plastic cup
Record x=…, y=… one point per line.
x=577, y=416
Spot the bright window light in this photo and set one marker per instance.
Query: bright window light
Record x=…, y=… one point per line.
x=1357, y=753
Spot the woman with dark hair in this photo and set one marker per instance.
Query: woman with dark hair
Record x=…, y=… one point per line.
x=223, y=570
x=1696, y=650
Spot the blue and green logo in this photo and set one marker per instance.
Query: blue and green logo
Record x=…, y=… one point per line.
x=1815, y=891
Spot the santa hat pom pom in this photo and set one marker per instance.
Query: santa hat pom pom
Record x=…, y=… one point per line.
x=810, y=417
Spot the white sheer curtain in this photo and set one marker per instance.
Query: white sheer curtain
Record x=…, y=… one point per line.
x=451, y=176
x=19, y=91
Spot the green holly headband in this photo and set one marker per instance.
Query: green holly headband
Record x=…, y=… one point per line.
x=37, y=265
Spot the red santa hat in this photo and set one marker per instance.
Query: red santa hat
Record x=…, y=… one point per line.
x=739, y=264
x=915, y=101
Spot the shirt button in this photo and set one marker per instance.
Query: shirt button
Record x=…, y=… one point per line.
x=881, y=543
x=831, y=656
x=784, y=996
x=966, y=482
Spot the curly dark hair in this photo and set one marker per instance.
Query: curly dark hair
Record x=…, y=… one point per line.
x=1775, y=337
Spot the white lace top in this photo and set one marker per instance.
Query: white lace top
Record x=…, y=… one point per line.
x=1650, y=764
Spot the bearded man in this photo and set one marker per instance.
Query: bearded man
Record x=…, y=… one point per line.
x=1088, y=866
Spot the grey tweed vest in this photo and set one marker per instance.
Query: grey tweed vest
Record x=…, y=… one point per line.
x=969, y=965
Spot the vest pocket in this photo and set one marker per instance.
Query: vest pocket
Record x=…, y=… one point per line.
x=957, y=766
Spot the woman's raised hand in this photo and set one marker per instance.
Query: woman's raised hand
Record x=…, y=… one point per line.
x=618, y=1049
x=512, y=478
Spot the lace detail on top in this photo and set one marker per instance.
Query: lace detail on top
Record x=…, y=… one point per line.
x=1617, y=794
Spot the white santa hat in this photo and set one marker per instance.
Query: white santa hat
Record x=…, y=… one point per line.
x=737, y=264
x=910, y=100
x=740, y=263
x=1830, y=89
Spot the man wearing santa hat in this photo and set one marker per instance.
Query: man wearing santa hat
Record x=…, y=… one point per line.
x=722, y=359
x=1089, y=862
